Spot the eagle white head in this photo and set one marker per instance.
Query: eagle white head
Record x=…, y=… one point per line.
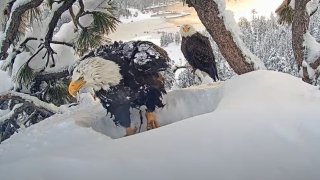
x=187, y=30
x=95, y=73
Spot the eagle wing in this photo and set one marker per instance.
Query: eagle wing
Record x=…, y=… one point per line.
x=140, y=63
x=199, y=54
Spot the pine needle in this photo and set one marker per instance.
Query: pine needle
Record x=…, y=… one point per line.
x=25, y=75
x=286, y=15
x=104, y=23
x=93, y=36
x=58, y=94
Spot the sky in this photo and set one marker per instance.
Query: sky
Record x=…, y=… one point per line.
x=243, y=8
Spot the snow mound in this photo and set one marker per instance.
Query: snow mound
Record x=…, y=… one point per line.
x=265, y=127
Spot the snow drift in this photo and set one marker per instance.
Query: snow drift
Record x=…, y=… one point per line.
x=266, y=126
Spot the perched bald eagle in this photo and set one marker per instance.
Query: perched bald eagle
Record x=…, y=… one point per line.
x=198, y=52
x=124, y=76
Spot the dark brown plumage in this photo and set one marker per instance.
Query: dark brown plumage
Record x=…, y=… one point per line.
x=142, y=85
x=197, y=50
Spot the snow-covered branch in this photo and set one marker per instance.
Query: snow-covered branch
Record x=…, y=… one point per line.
x=24, y=110
x=10, y=33
x=33, y=101
x=222, y=27
x=56, y=16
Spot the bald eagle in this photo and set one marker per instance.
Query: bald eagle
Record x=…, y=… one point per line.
x=124, y=76
x=198, y=52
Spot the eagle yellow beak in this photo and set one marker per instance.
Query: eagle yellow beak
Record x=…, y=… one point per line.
x=75, y=86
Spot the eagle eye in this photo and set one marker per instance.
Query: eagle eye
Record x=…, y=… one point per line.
x=81, y=78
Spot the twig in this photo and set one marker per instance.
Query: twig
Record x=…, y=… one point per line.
x=179, y=67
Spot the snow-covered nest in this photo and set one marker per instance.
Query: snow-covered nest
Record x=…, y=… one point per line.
x=261, y=125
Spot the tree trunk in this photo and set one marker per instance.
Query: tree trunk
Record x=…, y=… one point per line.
x=208, y=12
x=300, y=26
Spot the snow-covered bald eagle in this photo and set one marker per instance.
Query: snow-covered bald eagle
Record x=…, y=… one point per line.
x=124, y=75
x=198, y=52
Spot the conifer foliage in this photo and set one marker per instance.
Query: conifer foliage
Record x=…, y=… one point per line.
x=32, y=39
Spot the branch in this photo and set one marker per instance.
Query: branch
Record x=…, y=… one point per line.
x=52, y=76
x=283, y=5
x=67, y=4
x=315, y=64
x=18, y=108
x=35, y=102
x=174, y=69
x=24, y=109
x=56, y=16
x=80, y=14
x=73, y=16
x=212, y=16
x=13, y=24
x=24, y=43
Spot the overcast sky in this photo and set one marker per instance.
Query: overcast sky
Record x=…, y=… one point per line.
x=244, y=7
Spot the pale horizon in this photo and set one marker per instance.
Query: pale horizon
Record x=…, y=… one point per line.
x=243, y=8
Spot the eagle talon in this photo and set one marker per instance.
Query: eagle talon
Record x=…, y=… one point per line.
x=151, y=121
x=131, y=131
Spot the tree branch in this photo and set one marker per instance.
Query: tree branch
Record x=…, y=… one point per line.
x=52, y=76
x=22, y=98
x=25, y=111
x=56, y=16
x=13, y=24
x=175, y=68
x=213, y=20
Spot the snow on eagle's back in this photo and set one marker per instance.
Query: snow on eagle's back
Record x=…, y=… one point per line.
x=98, y=73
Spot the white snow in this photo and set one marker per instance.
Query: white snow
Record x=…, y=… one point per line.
x=5, y=80
x=19, y=3
x=3, y=5
x=2, y=38
x=262, y=125
x=312, y=6
x=160, y=5
x=86, y=20
x=16, y=4
x=35, y=101
x=175, y=54
x=20, y=60
x=292, y=4
x=311, y=72
x=232, y=26
x=65, y=56
x=312, y=46
x=9, y=114
x=140, y=16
